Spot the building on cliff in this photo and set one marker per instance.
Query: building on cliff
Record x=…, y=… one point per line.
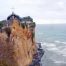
x=24, y=22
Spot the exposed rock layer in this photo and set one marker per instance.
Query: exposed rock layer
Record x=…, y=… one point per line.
x=16, y=46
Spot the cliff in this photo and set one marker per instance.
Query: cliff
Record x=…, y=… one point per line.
x=16, y=46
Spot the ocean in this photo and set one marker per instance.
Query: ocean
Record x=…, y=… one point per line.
x=53, y=39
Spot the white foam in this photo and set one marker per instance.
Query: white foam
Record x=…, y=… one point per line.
x=64, y=42
x=59, y=62
x=56, y=49
x=49, y=44
x=57, y=41
x=43, y=44
x=53, y=49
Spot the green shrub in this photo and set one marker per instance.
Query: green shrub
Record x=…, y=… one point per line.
x=1, y=25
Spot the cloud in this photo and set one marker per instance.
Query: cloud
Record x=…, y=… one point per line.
x=38, y=9
x=51, y=21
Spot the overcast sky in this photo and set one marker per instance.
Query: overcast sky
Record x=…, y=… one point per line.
x=42, y=11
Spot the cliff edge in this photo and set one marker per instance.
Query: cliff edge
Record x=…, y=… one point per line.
x=16, y=45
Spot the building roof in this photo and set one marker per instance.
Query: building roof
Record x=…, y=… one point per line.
x=13, y=16
x=24, y=19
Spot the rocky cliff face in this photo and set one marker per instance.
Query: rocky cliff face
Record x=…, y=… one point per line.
x=16, y=46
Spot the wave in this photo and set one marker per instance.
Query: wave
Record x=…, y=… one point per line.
x=55, y=47
x=55, y=53
x=64, y=42
x=49, y=44
x=59, y=62
x=59, y=42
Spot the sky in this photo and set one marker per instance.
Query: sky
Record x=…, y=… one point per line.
x=42, y=11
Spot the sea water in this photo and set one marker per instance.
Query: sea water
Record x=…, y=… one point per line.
x=53, y=39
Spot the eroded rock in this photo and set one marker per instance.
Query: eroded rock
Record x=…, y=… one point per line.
x=16, y=46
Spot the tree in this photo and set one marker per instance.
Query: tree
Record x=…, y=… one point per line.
x=1, y=25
